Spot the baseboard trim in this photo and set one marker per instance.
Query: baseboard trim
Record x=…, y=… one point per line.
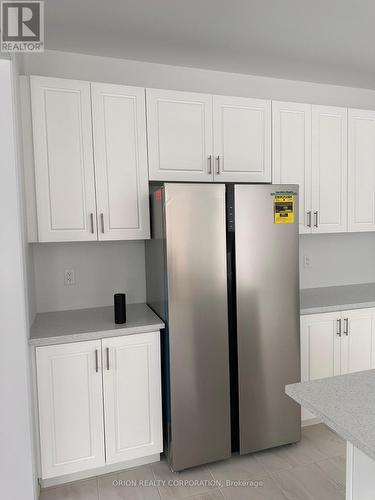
x=107, y=469
x=310, y=421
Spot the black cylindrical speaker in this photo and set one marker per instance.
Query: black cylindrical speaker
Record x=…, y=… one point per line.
x=120, y=308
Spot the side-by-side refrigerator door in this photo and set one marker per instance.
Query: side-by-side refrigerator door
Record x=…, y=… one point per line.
x=267, y=280
x=198, y=330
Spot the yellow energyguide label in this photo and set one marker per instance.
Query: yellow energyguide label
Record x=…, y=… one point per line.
x=283, y=208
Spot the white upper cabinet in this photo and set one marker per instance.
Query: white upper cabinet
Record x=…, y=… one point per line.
x=179, y=135
x=64, y=170
x=70, y=404
x=120, y=152
x=132, y=396
x=310, y=149
x=291, y=153
x=329, y=169
x=75, y=128
x=242, y=139
x=361, y=172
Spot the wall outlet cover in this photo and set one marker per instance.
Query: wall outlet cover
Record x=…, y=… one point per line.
x=69, y=277
x=306, y=261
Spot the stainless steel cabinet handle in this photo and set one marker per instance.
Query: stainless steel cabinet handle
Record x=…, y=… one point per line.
x=346, y=326
x=92, y=222
x=316, y=219
x=96, y=360
x=339, y=327
x=107, y=355
x=309, y=218
x=102, y=221
x=218, y=164
x=210, y=164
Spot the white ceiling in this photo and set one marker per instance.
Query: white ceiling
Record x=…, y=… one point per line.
x=330, y=41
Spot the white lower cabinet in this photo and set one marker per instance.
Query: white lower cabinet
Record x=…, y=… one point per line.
x=357, y=340
x=320, y=346
x=70, y=407
x=132, y=397
x=336, y=343
x=99, y=403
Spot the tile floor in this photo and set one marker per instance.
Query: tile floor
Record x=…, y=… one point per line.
x=313, y=469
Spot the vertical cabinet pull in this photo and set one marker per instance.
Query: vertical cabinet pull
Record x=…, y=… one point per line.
x=107, y=356
x=218, y=164
x=309, y=218
x=92, y=223
x=339, y=327
x=346, y=326
x=102, y=221
x=316, y=223
x=210, y=164
x=96, y=360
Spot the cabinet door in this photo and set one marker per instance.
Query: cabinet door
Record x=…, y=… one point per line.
x=356, y=348
x=120, y=151
x=70, y=403
x=179, y=126
x=242, y=139
x=329, y=169
x=361, y=171
x=64, y=170
x=132, y=396
x=320, y=346
x=291, y=153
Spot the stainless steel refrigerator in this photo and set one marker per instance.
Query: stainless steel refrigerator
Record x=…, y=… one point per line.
x=222, y=272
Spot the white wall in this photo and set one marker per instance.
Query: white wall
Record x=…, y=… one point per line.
x=337, y=259
x=101, y=269
x=17, y=475
x=107, y=69
x=333, y=257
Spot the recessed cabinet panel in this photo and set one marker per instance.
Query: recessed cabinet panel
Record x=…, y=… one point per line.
x=329, y=169
x=242, y=139
x=361, y=171
x=64, y=171
x=179, y=135
x=291, y=153
x=321, y=346
x=119, y=131
x=70, y=408
x=132, y=396
x=356, y=351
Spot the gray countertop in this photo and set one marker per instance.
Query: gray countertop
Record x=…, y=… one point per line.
x=89, y=324
x=336, y=298
x=345, y=403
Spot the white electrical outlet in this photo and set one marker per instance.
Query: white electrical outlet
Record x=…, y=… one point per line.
x=306, y=261
x=69, y=277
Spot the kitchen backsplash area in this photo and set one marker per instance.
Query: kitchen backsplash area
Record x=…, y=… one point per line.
x=336, y=259
x=100, y=269
x=103, y=268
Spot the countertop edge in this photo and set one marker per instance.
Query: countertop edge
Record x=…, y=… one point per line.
x=335, y=308
x=81, y=337
x=344, y=433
